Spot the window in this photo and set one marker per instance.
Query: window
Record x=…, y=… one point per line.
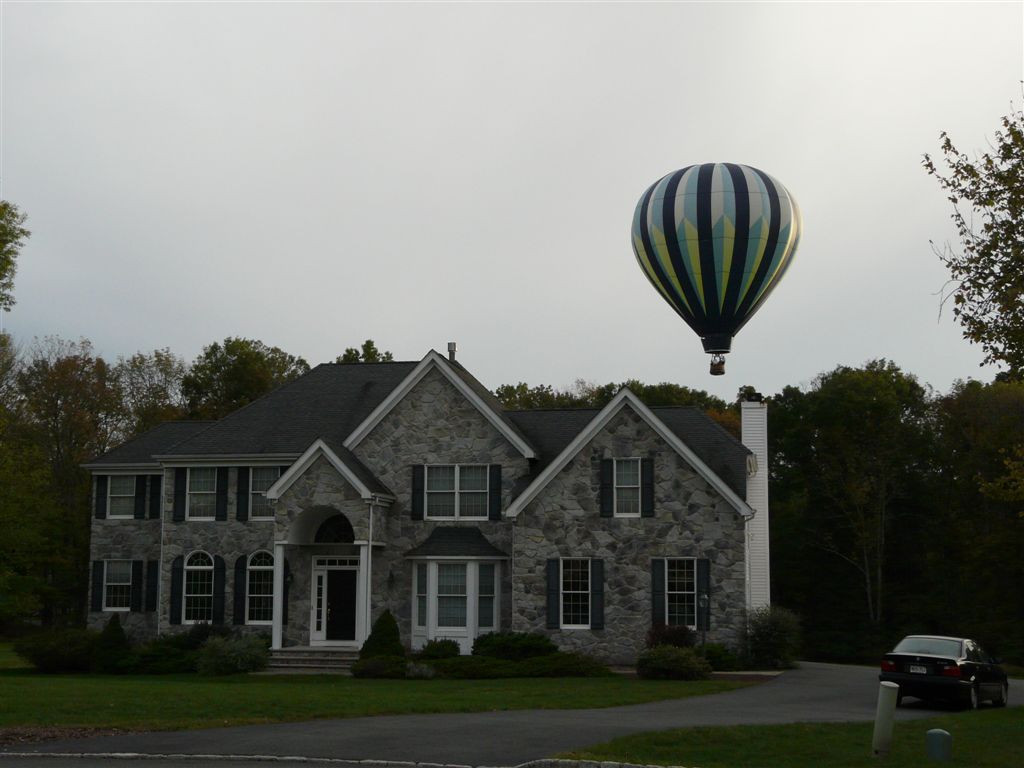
x=681, y=593
x=576, y=594
x=421, y=594
x=260, y=480
x=457, y=490
x=627, y=487
x=117, y=585
x=485, y=596
x=259, y=605
x=121, y=496
x=198, y=588
x=451, y=595
x=202, y=493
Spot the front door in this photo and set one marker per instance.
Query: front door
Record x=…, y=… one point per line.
x=341, y=605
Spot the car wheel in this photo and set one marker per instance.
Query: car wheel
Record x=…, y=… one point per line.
x=1004, y=696
x=972, y=698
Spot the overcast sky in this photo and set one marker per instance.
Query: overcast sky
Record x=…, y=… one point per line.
x=316, y=174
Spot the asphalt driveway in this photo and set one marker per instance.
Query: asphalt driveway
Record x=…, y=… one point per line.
x=813, y=693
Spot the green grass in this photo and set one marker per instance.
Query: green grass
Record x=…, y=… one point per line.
x=988, y=738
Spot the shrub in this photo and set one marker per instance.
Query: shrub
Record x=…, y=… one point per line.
x=59, y=650
x=384, y=639
x=773, y=637
x=563, y=664
x=112, y=653
x=380, y=666
x=439, y=649
x=198, y=634
x=415, y=671
x=164, y=656
x=669, y=662
x=513, y=646
x=721, y=658
x=663, y=634
x=230, y=655
x=475, y=668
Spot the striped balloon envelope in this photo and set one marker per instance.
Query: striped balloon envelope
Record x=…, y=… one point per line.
x=714, y=240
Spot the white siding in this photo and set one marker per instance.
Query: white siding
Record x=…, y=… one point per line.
x=755, y=437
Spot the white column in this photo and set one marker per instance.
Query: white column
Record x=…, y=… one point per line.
x=754, y=428
x=275, y=636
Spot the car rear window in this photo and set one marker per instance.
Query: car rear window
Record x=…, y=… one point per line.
x=934, y=646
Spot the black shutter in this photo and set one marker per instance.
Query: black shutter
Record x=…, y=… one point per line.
x=238, y=616
x=418, y=481
x=658, y=591
x=222, y=493
x=282, y=470
x=140, y=497
x=704, y=590
x=180, y=492
x=242, y=496
x=177, y=585
x=607, y=489
x=646, y=488
x=135, y=605
x=284, y=597
x=155, y=501
x=218, y=589
x=554, y=594
x=101, y=497
x=494, y=493
x=597, y=594
x=152, y=584
x=97, y=585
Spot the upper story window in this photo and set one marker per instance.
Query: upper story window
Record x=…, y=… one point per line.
x=202, y=493
x=198, y=592
x=457, y=491
x=121, y=496
x=260, y=480
x=681, y=592
x=627, y=487
x=260, y=589
x=575, y=580
x=117, y=585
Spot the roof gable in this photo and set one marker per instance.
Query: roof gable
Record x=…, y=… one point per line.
x=460, y=379
x=348, y=466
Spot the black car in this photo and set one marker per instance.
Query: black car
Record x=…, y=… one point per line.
x=953, y=669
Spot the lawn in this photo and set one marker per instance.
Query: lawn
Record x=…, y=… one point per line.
x=988, y=738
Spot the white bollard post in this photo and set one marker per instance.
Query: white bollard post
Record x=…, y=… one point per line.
x=881, y=742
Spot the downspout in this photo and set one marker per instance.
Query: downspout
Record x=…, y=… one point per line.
x=369, y=573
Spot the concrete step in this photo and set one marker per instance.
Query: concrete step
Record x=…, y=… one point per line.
x=312, y=660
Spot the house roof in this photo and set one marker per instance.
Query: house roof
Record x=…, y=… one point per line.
x=456, y=541
x=343, y=460
x=141, y=449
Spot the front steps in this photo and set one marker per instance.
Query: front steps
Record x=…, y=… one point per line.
x=312, y=661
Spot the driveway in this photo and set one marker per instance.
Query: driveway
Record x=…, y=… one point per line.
x=813, y=693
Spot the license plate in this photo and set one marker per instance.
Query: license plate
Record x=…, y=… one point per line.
x=917, y=669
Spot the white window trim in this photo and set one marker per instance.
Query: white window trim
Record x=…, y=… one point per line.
x=112, y=495
x=562, y=593
x=262, y=494
x=457, y=516
x=184, y=586
x=189, y=492
x=696, y=608
x=638, y=486
x=463, y=635
x=116, y=609
x=420, y=623
x=248, y=568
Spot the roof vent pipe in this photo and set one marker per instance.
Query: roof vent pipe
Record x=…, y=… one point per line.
x=451, y=351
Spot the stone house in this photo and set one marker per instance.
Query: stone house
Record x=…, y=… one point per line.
x=406, y=486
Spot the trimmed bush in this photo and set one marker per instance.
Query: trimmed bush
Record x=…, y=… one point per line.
x=414, y=671
x=513, y=646
x=384, y=639
x=380, y=666
x=563, y=664
x=59, y=650
x=663, y=634
x=669, y=662
x=438, y=649
x=231, y=655
x=773, y=637
x=475, y=668
x=198, y=634
x=164, y=656
x=112, y=653
x=721, y=658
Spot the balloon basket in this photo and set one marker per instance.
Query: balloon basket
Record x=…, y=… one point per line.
x=718, y=365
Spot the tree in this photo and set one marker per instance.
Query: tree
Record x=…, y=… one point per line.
x=987, y=272
x=367, y=354
x=225, y=377
x=150, y=387
x=12, y=236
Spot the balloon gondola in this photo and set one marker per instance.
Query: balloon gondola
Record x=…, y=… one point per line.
x=714, y=240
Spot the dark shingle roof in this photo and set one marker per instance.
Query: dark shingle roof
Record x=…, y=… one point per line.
x=329, y=402
x=456, y=541
x=358, y=468
x=140, y=450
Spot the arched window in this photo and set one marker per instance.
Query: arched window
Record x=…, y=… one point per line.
x=259, y=605
x=335, y=530
x=198, y=588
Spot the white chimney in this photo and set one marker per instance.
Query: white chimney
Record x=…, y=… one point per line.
x=451, y=351
x=754, y=417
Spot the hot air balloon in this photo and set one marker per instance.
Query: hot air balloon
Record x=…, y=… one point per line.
x=714, y=240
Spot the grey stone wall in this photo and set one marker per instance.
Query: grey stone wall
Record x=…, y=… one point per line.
x=691, y=520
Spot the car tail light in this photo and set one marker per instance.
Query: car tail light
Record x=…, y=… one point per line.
x=888, y=666
x=951, y=671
